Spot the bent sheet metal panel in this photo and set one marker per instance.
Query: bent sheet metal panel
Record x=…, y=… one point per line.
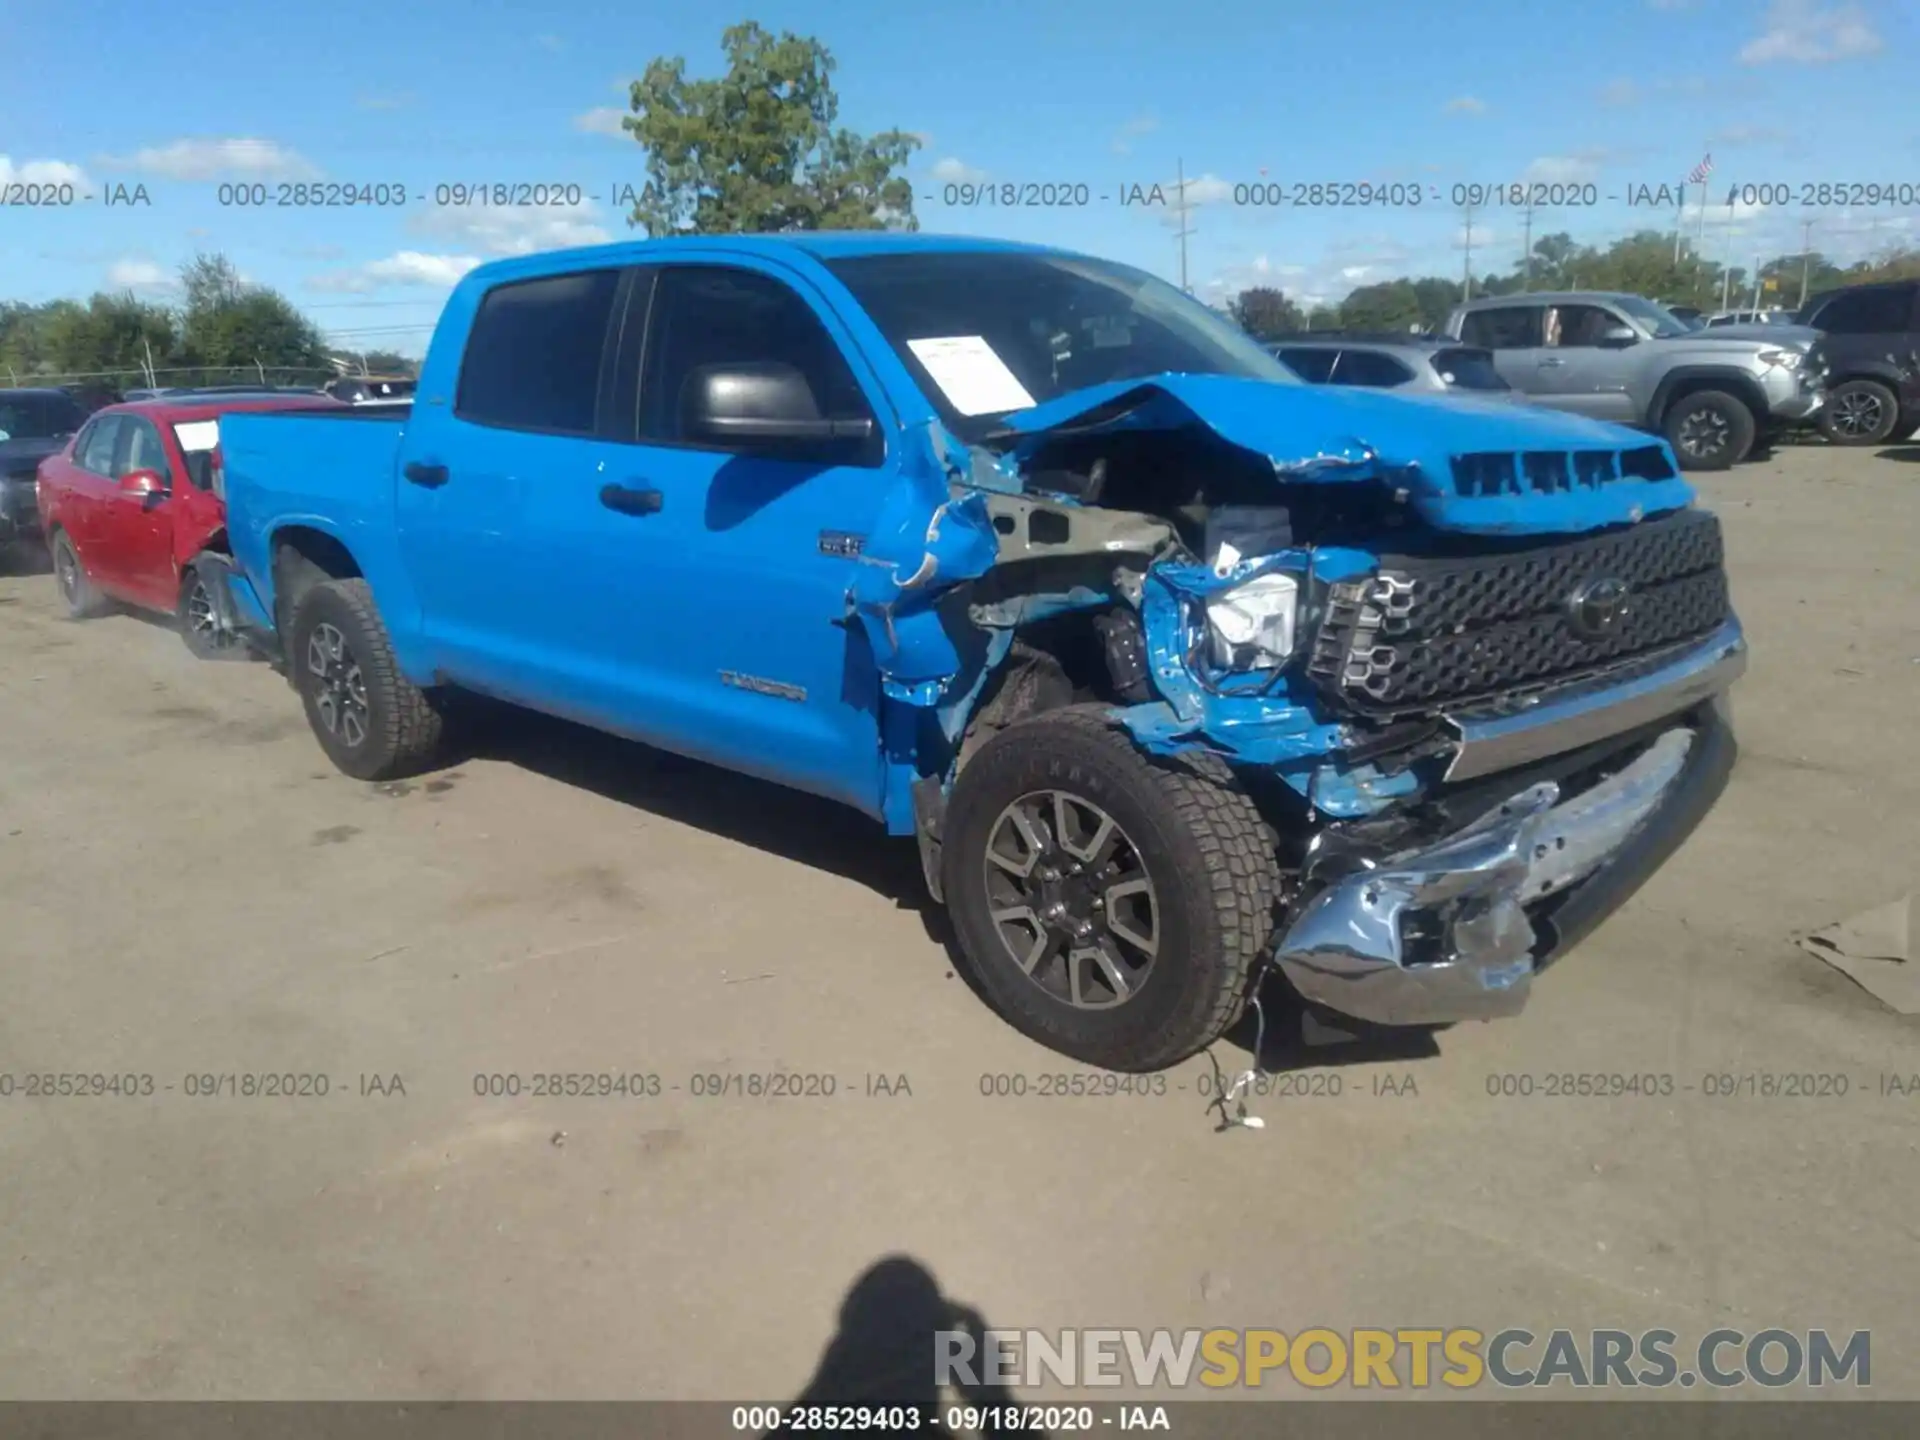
x=1313, y=433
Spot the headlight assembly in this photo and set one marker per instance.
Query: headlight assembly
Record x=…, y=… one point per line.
x=1785, y=359
x=1252, y=626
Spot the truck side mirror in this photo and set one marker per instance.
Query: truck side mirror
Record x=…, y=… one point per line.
x=1618, y=337
x=756, y=404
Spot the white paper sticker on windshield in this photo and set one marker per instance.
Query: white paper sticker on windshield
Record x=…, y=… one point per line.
x=975, y=380
x=196, y=435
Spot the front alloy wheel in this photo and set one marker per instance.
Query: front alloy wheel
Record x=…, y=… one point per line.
x=340, y=694
x=1071, y=899
x=207, y=636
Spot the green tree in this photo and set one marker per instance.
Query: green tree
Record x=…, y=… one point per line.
x=109, y=333
x=758, y=150
x=227, y=323
x=1390, y=305
x=1264, y=312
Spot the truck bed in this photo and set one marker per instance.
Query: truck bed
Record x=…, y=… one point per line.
x=329, y=470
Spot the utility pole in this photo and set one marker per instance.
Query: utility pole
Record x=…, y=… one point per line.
x=1466, y=263
x=1806, y=260
x=1526, y=249
x=259, y=370
x=1679, y=224
x=1180, y=184
x=149, y=353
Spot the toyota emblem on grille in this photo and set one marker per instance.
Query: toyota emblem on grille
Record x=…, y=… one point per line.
x=1596, y=609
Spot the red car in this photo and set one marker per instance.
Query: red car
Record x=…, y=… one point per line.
x=135, y=498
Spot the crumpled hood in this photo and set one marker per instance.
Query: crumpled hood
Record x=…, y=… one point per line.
x=1330, y=434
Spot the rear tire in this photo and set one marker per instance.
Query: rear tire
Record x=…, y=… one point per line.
x=82, y=597
x=373, y=722
x=1860, y=412
x=203, y=626
x=1709, y=430
x=1177, y=899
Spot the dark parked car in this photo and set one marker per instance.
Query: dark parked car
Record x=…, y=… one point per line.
x=1873, y=360
x=33, y=425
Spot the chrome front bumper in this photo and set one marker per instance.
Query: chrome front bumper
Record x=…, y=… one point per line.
x=1456, y=930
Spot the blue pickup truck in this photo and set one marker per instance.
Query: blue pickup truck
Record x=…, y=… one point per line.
x=1177, y=670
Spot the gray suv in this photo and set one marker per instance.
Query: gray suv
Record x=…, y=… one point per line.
x=1711, y=393
x=1391, y=362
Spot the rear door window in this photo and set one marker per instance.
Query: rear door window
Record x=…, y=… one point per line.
x=1315, y=366
x=95, y=453
x=1502, y=327
x=534, y=353
x=1468, y=370
x=1880, y=310
x=1370, y=368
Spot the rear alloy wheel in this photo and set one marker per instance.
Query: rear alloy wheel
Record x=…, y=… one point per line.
x=373, y=722
x=202, y=624
x=82, y=599
x=1709, y=430
x=1859, y=412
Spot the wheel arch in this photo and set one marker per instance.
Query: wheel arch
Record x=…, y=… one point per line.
x=1687, y=380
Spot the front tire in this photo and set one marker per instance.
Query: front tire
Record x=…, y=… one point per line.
x=1709, y=430
x=1112, y=905
x=81, y=596
x=1860, y=412
x=202, y=623
x=373, y=722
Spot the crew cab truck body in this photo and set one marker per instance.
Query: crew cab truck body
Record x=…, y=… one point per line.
x=1178, y=670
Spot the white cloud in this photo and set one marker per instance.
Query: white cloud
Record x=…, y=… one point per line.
x=1804, y=32
x=1134, y=128
x=603, y=120
x=1356, y=273
x=208, y=159
x=957, y=172
x=1208, y=189
x=1466, y=105
x=1479, y=236
x=137, y=274
x=1563, y=169
x=408, y=267
x=43, y=172
x=512, y=229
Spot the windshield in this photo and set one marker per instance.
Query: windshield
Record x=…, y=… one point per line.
x=1658, y=321
x=986, y=333
x=38, y=417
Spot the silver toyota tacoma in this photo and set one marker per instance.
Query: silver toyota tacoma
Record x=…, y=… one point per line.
x=1714, y=394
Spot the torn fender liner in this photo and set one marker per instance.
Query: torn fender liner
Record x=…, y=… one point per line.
x=929, y=537
x=1321, y=433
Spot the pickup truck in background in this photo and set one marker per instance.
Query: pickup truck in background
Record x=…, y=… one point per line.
x=1177, y=670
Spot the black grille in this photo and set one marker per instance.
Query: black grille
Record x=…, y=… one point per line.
x=1427, y=632
x=1548, y=472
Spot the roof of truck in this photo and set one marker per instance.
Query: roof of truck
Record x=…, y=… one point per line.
x=821, y=245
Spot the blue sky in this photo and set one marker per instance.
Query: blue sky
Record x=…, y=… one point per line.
x=1107, y=94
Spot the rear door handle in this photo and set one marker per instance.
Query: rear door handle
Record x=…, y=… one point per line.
x=1545, y=363
x=629, y=501
x=420, y=473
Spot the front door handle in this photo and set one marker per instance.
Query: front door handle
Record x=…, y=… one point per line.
x=1545, y=363
x=420, y=473
x=629, y=501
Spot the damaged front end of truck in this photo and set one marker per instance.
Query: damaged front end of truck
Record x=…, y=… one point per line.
x=1470, y=660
